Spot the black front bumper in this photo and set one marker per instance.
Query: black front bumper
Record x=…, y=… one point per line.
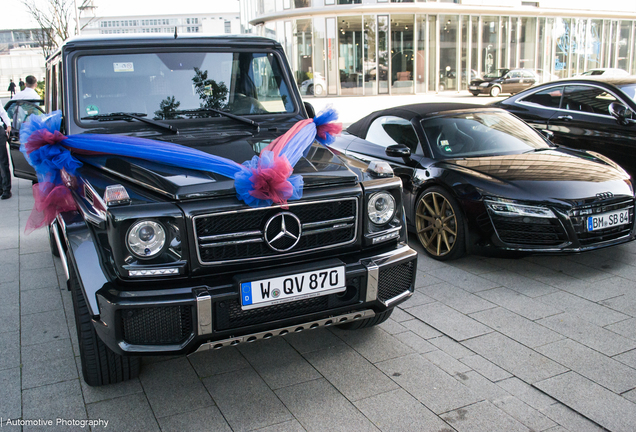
x=183, y=320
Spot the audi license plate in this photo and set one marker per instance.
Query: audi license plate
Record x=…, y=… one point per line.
x=607, y=220
x=283, y=289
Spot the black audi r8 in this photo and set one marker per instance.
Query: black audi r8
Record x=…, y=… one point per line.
x=477, y=179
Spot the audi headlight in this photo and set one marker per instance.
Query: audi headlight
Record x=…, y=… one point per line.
x=512, y=209
x=381, y=208
x=146, y=239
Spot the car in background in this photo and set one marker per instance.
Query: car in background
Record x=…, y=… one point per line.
x=479, y=180
x=608, y=72
x=314, y=86
x=503, y=81
x=589, y=113
x=545, y=76
x=18, y=110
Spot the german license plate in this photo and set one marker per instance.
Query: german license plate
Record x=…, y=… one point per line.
x=473, y=88
x=607, y=220
x=283, y=289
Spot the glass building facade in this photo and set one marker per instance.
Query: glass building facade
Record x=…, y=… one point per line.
x=371, y=47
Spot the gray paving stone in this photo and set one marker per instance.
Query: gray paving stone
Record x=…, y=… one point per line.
x=424, y=262
x=288, y=426
x=318, y=406
x=398, y=411
x=10, y=349
x=42, y=278
x=237, y=393
x=437, y=390
x=485, y=367
x=593, y=401
x=10, y=272
x=445, y=362
x=130, y=413
x=214, y=362
x=449, y=321
x=449, y=346
x=278, y=363
x=353, y=375
x=474, y=264
x=587, y=310
x=421, y=329
x=40, y=300
x=36, y=261
x=415, y=300
x=48, y=363
x=172, y=387
x=10, y=393
x=601, y=290
x=209, y=418
x=457, y=298
x=373, y=343
x=515, y=358
x=399, y=315
x=9, y=242
x=463, y=279
x=481, y=386
x=518, y=303
x=605, y=341
x=628, y=358
x=9, y=313
x=625, y=328
x=315, y=340
x=527, y=415
x=522, y=284
x=516, y=327
x=61, y=400
x=526, y=393
x=591, y=364
x=570, y=268
x=416, y=343
x=44, y=327
x=9, y=257
x=480, y=417
x=424, y=279
x=625, y=303
x=392, y=327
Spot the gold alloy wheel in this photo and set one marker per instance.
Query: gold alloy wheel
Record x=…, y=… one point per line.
x=436, y=224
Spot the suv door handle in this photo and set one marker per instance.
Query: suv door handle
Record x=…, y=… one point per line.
x=565, y=117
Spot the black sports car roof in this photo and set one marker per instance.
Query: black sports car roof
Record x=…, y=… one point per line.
x=360, y=127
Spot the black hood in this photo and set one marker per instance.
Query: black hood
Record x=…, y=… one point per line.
x=320, y=166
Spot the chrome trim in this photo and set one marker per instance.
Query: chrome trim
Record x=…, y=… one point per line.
x=212, y=263
x=138, y=182
x=327, y=222
x=310, y=325
x=404, y=295
x=331, y=228
x=381, y=233
x=204, y=312
x=58, y=243
x=230, y=235
x=233, y=242
x=373, y=276
x=94, y=218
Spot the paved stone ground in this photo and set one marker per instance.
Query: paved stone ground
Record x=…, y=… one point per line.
x=533, y=344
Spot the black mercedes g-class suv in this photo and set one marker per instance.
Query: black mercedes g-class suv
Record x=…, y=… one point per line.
x=163, y=260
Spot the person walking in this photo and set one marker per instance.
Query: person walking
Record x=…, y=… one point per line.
x=11, y=88
x=29, y=92
x=5, y=174
x=21, y=84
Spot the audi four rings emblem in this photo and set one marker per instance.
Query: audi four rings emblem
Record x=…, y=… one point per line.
x=604, y=195
x=282, y=231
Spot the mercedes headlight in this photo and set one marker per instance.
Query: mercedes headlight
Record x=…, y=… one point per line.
x=381, y=208
x=146, y=238
x=512, y=209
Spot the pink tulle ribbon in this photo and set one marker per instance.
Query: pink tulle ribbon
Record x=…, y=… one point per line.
x=50, y=200
x=270, y=182
x=42, y=137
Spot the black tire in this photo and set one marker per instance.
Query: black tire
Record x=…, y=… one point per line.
x=310, y=89
x=437, y=213
x=494, y=92
x=52, y=243
x=368, y=322
x=100, y=365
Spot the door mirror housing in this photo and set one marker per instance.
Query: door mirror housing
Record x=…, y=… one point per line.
x=398, y=150
x=621, y=113
x=311, y=112
x=549, y=135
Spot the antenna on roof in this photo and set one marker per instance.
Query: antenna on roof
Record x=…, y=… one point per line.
x=175, y=32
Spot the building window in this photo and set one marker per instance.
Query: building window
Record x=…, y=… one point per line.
x=228, y=27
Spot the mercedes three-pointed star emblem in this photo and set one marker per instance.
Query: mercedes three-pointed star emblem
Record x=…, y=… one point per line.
x=282, y=231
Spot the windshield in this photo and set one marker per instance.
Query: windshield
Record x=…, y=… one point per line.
x=629, y=90
x=164, y=85
x=480, y=134
x=496, y=74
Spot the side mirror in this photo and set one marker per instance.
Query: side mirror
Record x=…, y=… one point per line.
x=398, y=150
x=620, y=112
x=311, y=112
x=549, y=135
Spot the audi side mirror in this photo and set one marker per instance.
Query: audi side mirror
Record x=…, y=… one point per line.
x=621, y=113
x=398, y=150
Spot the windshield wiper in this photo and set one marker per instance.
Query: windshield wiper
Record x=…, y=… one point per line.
x=223, y=113
x=137, y=116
